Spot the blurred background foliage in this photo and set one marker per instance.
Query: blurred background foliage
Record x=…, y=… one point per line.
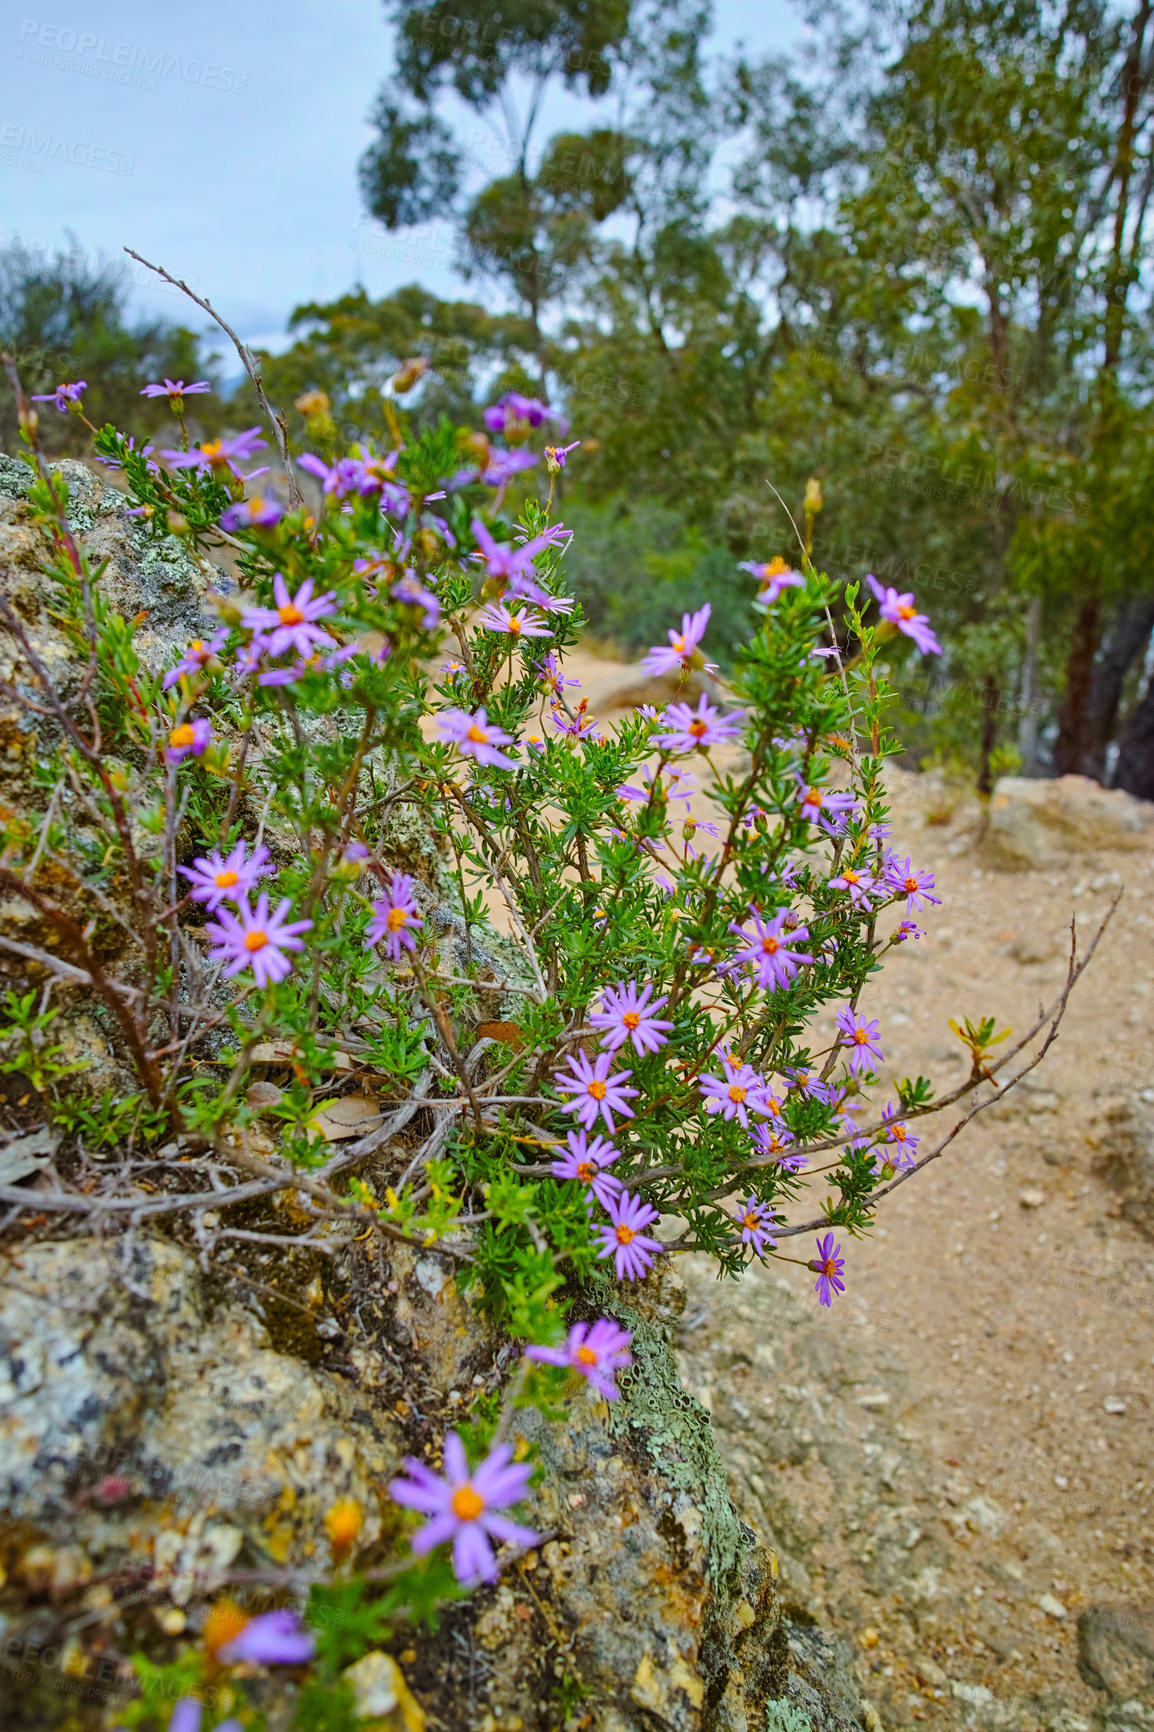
x=910, y=259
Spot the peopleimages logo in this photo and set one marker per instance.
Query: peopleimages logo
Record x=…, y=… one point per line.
x=25, y=147
x=120, y=62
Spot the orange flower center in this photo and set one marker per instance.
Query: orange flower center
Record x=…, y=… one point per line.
x=586, y=1355
x=224, y=1623
x=907, y=612
x=586, y=1172
x=770, y=946
x=625, y=1235
x=850, y=876
x=182, y=736
x=861, y=1036
x=736, y=1093
x=697, y=729
x=290, y=615
x=467, y=1504
x=212, y=450
x=598, y=1089
x=898, y=1133
x=225, y=880
x=829, y=1267
x=255, y=941
x=477, y=735
x=631, y=1019
x=751, y=1221
x=514, y=624
x=911, y=884
x=197, y=646
x=397, y=919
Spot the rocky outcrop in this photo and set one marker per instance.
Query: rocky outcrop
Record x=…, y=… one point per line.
x=1034, y=825
x=155, y=581
x=158, y=1448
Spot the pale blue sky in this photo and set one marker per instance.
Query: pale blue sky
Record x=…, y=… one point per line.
x=222, y=140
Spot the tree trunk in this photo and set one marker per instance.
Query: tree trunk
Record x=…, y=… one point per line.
x=991, y=697
x=1135, y=771
x=1028, y=725
x=1128, y=637
x=1079, y=676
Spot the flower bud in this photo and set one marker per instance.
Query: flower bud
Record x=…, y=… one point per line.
x=410, y=372
x=813, y=499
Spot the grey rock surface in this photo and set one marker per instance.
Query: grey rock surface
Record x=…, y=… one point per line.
x=151, y=1435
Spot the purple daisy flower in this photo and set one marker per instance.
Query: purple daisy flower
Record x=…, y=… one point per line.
x=394, y=916
x=899, y=1147
x=597, y=1350
x=176, y=390
x=506, y=564
x=259, y=512
x=217, y=454
x=475, y=736
x=555, y=456
x=769, y=950
x=271, y=1639
x=899, y=610
x=215, y=880
x=346, y=475
x=673, y=785
x=595, y=1093
x=735, y=1095
x=682, y=645
x=586, y=1161
x=914, y=886
x=256, y=939
x=625, y=1014
x=828, y=1266
x=825, y=806
x=861, y=886
x=463, y=1505
x=196, y=658
x=497, y=617
x=551, y=676
x=698, y=729
x=501, y=467
x=188, y=739
x=861, y=1038
x=622, y=1238
x=412, y=593
x=774, y=576
x=775, y=1140
x=291, y=622
x=65, y=397
x=755, y=1220
x=806, y=1083
x=514, y=415
x=907, y=929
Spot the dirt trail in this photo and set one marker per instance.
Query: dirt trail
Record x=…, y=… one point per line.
x=956, y=1460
